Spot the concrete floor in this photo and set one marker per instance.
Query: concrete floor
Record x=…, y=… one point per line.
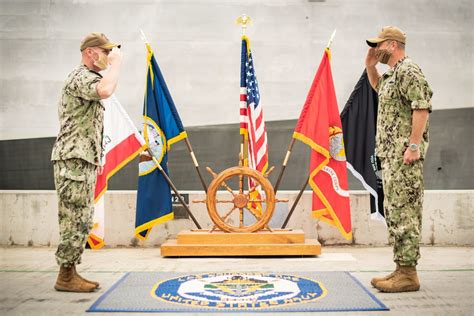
x=27, y=276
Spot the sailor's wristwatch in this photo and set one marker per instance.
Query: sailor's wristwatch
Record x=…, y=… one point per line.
x=414, y=147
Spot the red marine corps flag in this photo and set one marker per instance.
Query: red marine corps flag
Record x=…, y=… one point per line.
x=319, y=127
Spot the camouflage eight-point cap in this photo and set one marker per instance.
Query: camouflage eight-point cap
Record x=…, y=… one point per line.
x=96, y=39
x=388, y=33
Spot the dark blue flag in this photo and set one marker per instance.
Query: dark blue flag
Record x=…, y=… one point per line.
x=162, y=128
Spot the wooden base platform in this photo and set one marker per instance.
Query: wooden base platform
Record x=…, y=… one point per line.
x=202, y=243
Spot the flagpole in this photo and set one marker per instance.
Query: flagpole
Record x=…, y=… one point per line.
x=293, y=207
x=188, y=143
x=243, y=21
x=288, y=153
x=196, y=165
x=283, y=167
x=174, y=189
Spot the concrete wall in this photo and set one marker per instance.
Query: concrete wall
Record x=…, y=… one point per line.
x=198, y=47
x=30, y=218
x=26, y=162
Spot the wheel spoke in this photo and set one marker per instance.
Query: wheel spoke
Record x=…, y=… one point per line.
x=258, y=217
x=241, y=221
x=241, y=184
x=223, y=184
x=228, y=214
x=224, y=201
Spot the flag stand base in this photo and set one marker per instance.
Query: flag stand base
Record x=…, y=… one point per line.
x=203, y=243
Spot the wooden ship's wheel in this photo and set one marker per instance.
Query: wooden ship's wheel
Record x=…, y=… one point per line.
x=258, y=206
x=241, y=219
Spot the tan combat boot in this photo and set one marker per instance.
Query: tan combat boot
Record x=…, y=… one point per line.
x=68, y=281
x=96, y=284
x=404, y=280
x=385, y=278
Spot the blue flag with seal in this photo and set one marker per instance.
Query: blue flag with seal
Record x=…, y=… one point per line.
x=162, y=127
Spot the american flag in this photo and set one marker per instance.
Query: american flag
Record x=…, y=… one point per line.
x=252, y=124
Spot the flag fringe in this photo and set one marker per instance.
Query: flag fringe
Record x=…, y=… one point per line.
x=335, y=219
x=149, y=225
x=95, y=245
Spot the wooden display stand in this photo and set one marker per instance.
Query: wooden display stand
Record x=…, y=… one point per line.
x=202, y=243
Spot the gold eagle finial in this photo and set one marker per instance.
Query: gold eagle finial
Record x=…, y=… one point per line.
x=243, y=21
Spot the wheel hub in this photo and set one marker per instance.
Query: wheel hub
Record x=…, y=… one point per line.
x=240, y=200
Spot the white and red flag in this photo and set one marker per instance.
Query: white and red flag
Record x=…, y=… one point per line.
x=120, y=144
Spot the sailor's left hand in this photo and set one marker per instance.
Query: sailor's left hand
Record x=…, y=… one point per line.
x=411, y=156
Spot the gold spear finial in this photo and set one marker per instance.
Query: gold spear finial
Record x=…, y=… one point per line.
x=244, y=20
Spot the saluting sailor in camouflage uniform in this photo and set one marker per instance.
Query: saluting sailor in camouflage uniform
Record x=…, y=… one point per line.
x=401, y=143
x=77, y=153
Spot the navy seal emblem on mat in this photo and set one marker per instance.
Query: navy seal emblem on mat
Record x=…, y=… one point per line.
x=239, y=291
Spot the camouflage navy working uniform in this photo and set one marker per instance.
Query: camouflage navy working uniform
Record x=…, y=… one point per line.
x=76, y=155
x=401, y=90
